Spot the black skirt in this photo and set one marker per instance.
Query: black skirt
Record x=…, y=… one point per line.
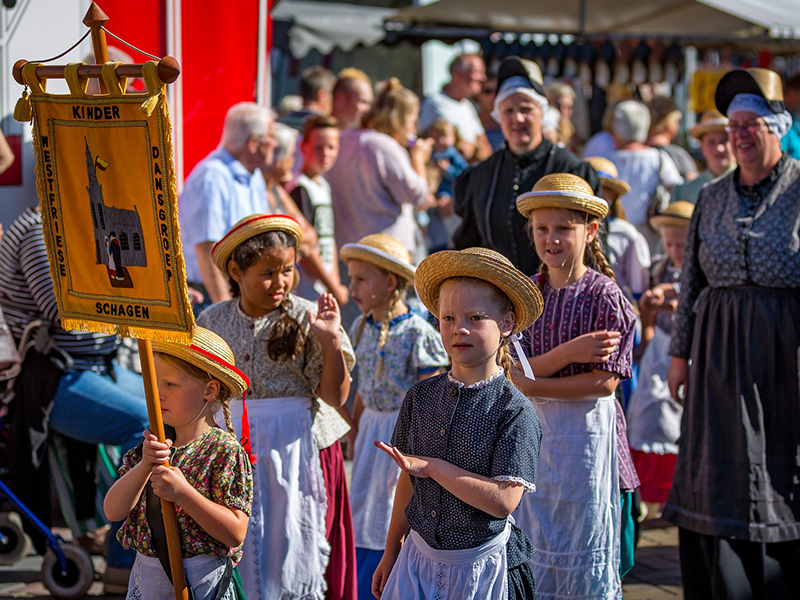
x=738, y=471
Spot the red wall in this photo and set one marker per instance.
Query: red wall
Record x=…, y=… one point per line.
x=219, y=62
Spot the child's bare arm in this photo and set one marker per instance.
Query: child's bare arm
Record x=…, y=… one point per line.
x=497, y=498
x=125, y=492
x=586, y=386
x=397, y=529
x=226, y=525
x=334, y=385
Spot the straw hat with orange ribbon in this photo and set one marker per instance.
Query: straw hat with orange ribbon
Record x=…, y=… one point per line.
x=562, y=190
x=484, y=264
x=609, y=176
x=383, y=251
x=250, y=227
x=677, y=214
x=210, y=353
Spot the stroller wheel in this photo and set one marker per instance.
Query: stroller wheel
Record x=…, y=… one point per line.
x=14, y=542
x=79, y=575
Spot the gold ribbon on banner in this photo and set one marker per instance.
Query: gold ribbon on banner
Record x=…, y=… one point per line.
x=106, y=181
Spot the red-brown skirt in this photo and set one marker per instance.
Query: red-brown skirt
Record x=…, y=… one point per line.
x=341, y=573
x=655, y=473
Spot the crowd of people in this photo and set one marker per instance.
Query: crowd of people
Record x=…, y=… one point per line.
x=593, y=342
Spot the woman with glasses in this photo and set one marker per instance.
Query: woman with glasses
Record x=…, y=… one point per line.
x=735, y=348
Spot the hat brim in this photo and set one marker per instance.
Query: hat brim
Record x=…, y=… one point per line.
x=619, y=187
x=699, y=130
x=741, y=81
x=514, y=67
x=530, y=201
x=377, y=258
x=659, y=221
x=479, y=264
x=222, y=251
x=234, y=380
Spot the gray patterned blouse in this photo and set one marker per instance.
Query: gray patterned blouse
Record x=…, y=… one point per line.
x=740, y=235
x=247, y=337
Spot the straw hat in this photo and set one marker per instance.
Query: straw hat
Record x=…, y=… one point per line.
x=210, y=353
x=609, y=176
x=677, y=214
x=485, y=264
x=383, y=251
x=250, y=227
x=710, y=120
x=562, y=190
x=761, y=82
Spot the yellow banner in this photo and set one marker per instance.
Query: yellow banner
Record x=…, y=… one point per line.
x=109, y=206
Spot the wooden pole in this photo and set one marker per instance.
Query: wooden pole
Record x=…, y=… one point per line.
x=95, y=19
x=167, y=508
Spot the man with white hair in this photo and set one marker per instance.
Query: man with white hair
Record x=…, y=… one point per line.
x=485, y=196
x=227, y=185
x=467, y=74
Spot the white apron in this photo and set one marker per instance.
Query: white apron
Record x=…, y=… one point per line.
x=285, y=552
x=374, y=479
x=424, y=573
x=573, y=519
x=149, y=581
x=654, y=418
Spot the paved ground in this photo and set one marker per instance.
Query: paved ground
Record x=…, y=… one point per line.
x=656, y=575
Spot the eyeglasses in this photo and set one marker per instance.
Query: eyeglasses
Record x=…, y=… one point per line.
x=751, y=126
x=563, y=106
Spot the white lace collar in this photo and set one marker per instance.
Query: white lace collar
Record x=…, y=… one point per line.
x=477, y=384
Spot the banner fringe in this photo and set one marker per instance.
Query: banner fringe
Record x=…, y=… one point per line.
x=139, y=333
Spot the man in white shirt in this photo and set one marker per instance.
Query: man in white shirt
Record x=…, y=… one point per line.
x=467, y=74
x=224, y=187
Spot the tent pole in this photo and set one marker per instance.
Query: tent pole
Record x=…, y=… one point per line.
x=581, y=18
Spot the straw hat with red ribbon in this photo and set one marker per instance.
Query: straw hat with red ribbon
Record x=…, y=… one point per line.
x=250, y=227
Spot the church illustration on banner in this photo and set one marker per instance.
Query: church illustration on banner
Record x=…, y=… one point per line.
x=118, y=237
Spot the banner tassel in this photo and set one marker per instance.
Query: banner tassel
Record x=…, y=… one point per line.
x=22, y=110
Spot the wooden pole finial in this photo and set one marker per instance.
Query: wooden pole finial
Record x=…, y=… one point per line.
x=95, y=17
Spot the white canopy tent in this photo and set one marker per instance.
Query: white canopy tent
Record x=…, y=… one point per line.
x=722, y=19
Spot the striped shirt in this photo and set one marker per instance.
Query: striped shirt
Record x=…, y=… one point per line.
x=26, y=293
x=593, y=303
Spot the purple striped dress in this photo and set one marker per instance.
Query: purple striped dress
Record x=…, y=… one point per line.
x=593, y=303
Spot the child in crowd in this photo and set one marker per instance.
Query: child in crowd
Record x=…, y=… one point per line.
x=449, y=164
x=395, y=348
x=653, y=415
x=208, y=477
x=319, y=148
x=574, y=519
x=628, y=251
x=297, y=357
x=467, y=442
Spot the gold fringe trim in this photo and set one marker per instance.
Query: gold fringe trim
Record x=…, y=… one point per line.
x=139, y=333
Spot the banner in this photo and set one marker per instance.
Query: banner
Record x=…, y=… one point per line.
x=109, y=204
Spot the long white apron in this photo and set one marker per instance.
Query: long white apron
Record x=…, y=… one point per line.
x=654, y=418
x=573, y=519
x=149, y=581
x=374, y=479
x=285, y=552
x=424, y=573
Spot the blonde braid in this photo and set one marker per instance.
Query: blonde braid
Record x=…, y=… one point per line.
x=601, y=263
x=544, y=270
x=227, y=413
x=360, y=329
x=396, y=295
x=504, y=357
